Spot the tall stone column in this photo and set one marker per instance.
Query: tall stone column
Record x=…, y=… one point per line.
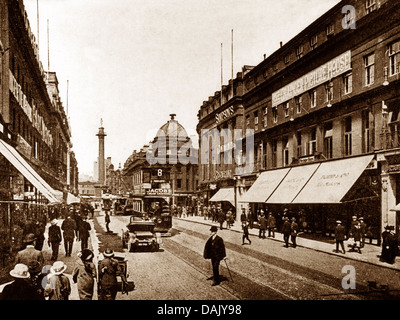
x=102, y=170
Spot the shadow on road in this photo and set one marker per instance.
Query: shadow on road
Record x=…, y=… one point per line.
x=109, y=240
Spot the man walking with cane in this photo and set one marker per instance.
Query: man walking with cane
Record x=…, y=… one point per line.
x=215, y=250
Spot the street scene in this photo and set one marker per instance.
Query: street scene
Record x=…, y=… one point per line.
x=127, y=173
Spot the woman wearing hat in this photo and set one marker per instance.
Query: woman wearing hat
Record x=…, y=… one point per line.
x=20, y=288
x=58, y=286
x=84, y=275
x=389, y=245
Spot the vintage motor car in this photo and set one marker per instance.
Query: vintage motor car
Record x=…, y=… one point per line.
x=140, y=233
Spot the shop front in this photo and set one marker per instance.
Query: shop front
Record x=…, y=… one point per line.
x=318, y=194
x=25, y=198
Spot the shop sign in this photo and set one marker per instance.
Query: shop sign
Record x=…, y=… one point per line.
x=23, y=146
x=316, y=77
x=223, y=174
x=394, y=168
x=137, y=189
x=306, y=159
x=219, y=117
x=156, y=192
x=18, y=196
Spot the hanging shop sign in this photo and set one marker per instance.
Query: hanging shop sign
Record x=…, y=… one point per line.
x=226, y=174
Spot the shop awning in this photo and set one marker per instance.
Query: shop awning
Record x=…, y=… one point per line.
x=332, y=180
x=264, y=186
x=293, y=183
x=12, y=155
x=225, y=194
x=72, y=199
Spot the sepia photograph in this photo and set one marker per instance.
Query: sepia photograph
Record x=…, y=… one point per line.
x=200, y=158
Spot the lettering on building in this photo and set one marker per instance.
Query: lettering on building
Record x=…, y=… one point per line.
x=156, y=192
x=316, y=77
x=226, y=174
x=219, y=117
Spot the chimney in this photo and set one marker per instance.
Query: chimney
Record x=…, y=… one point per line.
x=281, y=44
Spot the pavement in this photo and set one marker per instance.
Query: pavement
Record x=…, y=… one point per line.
x=72, y=260
x=370, y=253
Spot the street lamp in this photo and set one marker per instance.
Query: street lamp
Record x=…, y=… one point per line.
x=292, y=113
x=386, y=82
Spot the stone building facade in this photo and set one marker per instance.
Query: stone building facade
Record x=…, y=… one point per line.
x=324, y=113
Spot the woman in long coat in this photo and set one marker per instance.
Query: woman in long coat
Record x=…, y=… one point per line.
x=389, y=245
x=84, y=275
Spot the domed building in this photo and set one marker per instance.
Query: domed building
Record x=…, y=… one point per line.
x=163, y=172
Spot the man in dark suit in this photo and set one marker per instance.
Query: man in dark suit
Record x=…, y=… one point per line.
x=54, y=239
x=215, y=250
x=286, y=228
x=84, y=232
x=69, y=228
x=340, y=233
x=294, y=229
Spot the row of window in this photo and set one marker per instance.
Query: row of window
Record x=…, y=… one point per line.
x=349, y=18
x=307, y=142
x=369, y=79
x=299, y=103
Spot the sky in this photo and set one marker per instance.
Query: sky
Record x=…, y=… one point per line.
x=134, y=62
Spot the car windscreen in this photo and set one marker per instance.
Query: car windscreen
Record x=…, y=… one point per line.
x=140, y=227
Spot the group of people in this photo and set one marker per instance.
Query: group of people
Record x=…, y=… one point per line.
x=264, y=223
x=356, y=235
x=78, y=228
x=34, y=281
x=182, y=211
x=29, y=270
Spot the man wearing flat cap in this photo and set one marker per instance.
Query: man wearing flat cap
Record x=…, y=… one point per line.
x=215, y=250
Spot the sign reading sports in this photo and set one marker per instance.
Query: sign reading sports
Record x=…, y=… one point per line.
x=318, y=76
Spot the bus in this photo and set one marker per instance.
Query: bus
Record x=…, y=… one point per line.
x=119, y=205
